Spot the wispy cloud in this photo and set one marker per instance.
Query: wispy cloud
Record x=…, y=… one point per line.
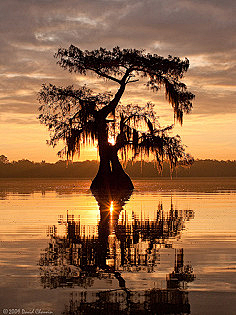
x=32, y=31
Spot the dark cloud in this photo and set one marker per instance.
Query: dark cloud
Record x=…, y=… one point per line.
x=32, y=31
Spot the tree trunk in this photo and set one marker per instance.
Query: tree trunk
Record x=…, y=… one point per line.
x=111, y=175
x=120, y=179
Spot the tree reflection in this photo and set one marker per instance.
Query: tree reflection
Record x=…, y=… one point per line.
x=118, y=245
x=154, y=301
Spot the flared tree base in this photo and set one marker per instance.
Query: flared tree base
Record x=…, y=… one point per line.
x=111, y=175
x=111, y=182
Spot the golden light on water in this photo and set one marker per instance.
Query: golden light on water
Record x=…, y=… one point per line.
x=111, y=207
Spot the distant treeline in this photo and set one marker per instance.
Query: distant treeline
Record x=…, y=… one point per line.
x=87, y=169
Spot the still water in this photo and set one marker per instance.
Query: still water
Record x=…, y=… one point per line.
x=167, y=248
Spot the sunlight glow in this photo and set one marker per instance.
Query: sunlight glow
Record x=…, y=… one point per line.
x=112, y=141
x=111, y=207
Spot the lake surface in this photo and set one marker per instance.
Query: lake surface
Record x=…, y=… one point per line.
x=167, y=248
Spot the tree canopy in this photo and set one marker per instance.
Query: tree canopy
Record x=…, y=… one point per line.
x=78, y=116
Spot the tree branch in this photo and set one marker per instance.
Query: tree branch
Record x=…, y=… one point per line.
x=105, y=111
x=132, y=81
x=106, y=76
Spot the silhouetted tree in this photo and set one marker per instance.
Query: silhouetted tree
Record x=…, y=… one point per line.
x=3, y=159
x=78, y=116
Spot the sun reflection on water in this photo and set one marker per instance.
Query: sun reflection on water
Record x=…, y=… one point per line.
x=111, y=207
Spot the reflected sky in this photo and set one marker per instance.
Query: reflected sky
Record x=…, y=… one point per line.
x=56, y=234
x=120, y=253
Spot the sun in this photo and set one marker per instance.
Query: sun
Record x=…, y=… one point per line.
x=111, y=140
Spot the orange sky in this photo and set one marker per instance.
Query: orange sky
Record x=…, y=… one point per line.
x=202, y=31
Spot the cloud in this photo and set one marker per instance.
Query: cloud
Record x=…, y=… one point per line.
x=32, y=31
